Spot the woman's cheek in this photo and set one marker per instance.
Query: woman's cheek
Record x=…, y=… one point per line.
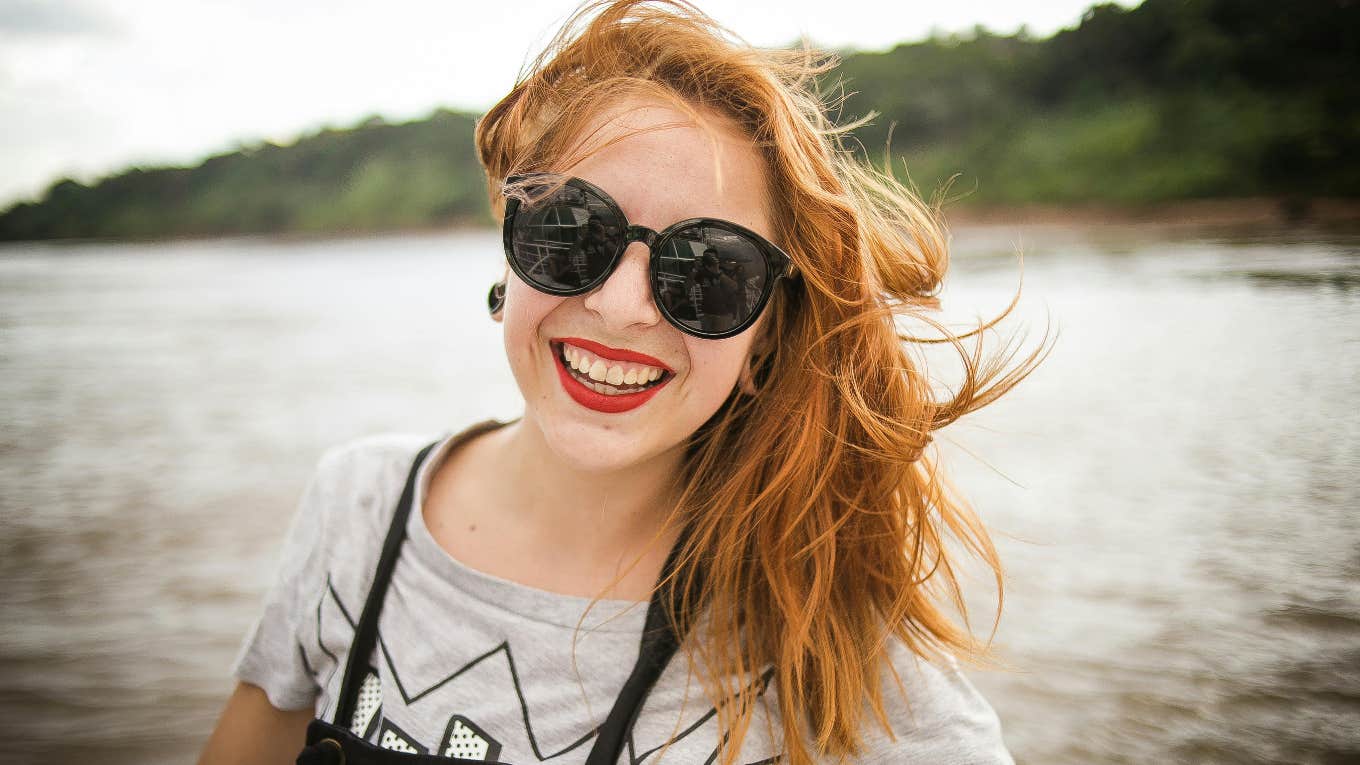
x=525, y=309
x=715, y=366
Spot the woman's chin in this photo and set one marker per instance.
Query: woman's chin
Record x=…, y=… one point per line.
x=588, y=447
x=601, y=448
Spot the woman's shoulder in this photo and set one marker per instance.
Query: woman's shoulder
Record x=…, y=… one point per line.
x=370, y=471
x=374, y=451
x=937, y=715
x=363, y=473
x=386, y=449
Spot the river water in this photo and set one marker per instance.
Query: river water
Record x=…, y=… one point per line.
x=1174, y=492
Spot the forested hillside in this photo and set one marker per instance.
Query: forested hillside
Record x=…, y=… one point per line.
x=1176, y=99
x=1173, y=100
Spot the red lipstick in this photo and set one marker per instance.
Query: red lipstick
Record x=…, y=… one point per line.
x=613, y=354
x=599, y=402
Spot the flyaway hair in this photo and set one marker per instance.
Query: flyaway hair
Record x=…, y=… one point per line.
x=819, y=521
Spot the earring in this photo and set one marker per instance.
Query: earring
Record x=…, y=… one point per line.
x=495, y=299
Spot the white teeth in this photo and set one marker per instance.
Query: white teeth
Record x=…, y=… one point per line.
x=601, y=371
x=613, y=389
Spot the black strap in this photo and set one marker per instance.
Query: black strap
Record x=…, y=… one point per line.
x=659, y=644
x=659, y=641
x=366, y=634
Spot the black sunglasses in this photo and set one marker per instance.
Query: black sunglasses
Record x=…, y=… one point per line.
x=710, y=278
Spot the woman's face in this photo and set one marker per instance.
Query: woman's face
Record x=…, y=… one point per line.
x=658, y=177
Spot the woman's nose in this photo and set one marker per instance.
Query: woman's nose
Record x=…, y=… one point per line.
x=624, y=301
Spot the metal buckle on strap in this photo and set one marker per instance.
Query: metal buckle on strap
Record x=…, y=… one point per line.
x=328, y=745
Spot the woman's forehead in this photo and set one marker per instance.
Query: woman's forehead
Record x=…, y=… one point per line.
x=708, y=168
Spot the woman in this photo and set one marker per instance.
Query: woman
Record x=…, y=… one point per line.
x=713, y=536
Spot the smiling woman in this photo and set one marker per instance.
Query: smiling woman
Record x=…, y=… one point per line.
x=719, y=481
x=689, y=175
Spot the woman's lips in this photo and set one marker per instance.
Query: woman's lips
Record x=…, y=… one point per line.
x=600, y=402
x=613, y=354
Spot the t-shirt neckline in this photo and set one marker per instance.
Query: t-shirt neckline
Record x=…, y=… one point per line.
x=523, y=600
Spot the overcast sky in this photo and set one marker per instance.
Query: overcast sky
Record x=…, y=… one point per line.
x=89, y=87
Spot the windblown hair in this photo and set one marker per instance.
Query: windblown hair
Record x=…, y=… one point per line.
x=817, y=520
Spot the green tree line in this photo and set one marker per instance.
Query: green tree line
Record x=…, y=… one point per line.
x=1171, y=100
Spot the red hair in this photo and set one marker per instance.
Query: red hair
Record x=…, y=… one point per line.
x=817, y=515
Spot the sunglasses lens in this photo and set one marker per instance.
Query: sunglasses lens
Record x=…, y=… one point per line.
x=565, y=241
x=711, y=279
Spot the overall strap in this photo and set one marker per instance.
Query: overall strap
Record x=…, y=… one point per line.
x=366, y=633
x=659, y=644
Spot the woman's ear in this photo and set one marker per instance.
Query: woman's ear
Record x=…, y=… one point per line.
x=495, y=300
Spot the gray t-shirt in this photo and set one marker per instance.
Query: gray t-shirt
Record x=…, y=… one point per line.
x=476, y=666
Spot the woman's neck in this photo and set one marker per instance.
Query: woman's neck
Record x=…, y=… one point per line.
x=547, y=523
x=609, y=510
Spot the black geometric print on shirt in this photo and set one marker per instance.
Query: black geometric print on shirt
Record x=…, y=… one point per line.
x=462, y=738
x=306, y=665
x=366, y=708
x=335, y=660
x=503, y=648
x=398, y=740
x=636, y=759
x=409, y=698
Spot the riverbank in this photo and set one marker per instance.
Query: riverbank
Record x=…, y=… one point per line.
x=1272, y=211
x=1210, y=213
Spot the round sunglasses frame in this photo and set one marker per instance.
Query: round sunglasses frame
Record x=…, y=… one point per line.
x=778, y=264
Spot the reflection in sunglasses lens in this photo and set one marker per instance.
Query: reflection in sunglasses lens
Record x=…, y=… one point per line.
x=567, y=240
x=709, y=278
